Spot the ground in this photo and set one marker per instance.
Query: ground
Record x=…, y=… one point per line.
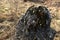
x=12, y=11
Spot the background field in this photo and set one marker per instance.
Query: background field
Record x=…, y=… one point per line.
x=12, y=10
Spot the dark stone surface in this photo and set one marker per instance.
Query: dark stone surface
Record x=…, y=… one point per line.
x=35, y=25
x=40, y=1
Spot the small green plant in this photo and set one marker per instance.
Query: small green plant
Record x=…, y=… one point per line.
x=3, y=9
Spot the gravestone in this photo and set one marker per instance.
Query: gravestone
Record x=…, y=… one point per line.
x=35, y=25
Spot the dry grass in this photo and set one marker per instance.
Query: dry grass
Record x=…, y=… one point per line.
x=9, y=15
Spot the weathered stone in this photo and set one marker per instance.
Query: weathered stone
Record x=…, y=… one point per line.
x=35, y=25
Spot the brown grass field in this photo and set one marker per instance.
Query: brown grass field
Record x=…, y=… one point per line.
x=12, y=10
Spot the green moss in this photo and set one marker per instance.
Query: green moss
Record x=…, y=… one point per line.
x=1, y=32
